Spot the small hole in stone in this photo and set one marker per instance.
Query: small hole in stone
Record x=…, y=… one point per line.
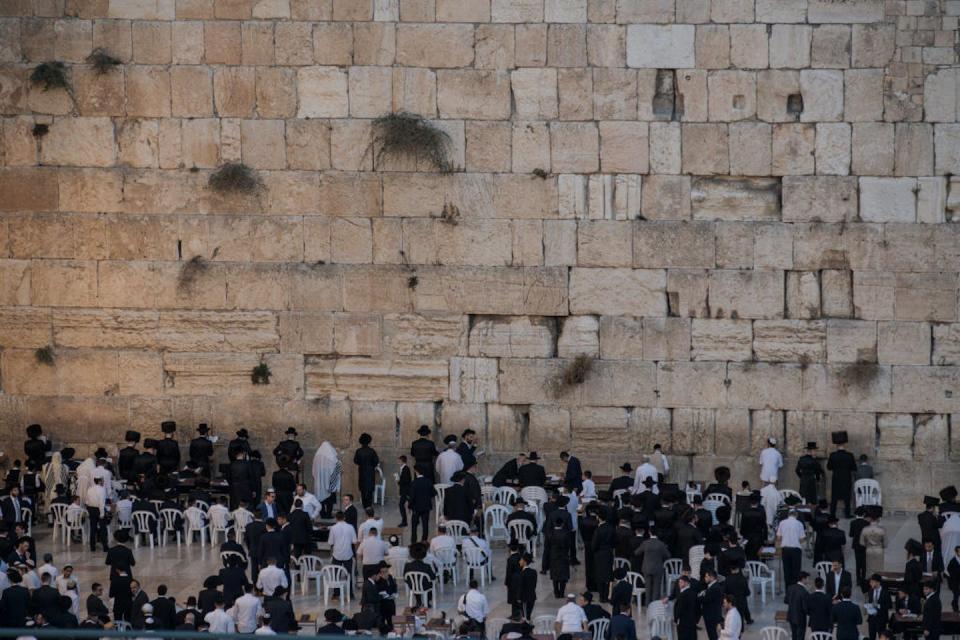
x=795, y=104
x=739, y=102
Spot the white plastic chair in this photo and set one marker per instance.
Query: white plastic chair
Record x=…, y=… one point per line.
x=867, y=492
x=821, y=635
x=241, y=518
x=420, y=584
x=712, y=505
x=522, y=531
x=476, y=561
x=823, y=568
x=218, y=522
x=335, y=577
x=447, y=558
x=457, y=529
x=760, y=576
x=719, y=497
x=495, y=522
x=599, y=628
x=380, y=488
x=144, y=523
x=59, y=513
x=639, y=588
x=505, y=496
x=692, y=492
x=790, y=493
x=618, y=497
x=486, y=493
x=672, y=569
x=660, y=623
x=441, y=491
x=74, y=522
x=696, y=557
x=543, y=625
x=125, y=520
x=226, y=555
x=196, y=521
x=774, y=633
x=203, y=505
x=535, y=494
x=494, y=626
x=621, y=562
x=168, y=521
x=121, y=625
x=309, y=567
x=157, y=504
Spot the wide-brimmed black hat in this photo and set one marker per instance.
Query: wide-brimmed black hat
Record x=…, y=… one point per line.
x=67, y=452
x=839, y=437
x=533, y=456
x=365, y=439
x=203, y=428
x=424, y=430
x=243, y=433
x=168, y=426
x=811, y=446
x=101, y=453
x=948, y=493
x=648, y=482
x=34, y=431
x=149, y=443
x=458, y=476
x=913, y=547
x=626, y=466
x=290, y=431
x=132, y=436
x=930, y=501
x=450, y=439
x=121, y=536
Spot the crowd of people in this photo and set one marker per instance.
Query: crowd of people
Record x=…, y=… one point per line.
x=629, y=531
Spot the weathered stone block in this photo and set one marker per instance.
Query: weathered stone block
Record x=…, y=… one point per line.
x=925, y=389
x=705, y=149
x=660, y=47
x=575, y=147
x=746, y=294
x=647, y=427
x=852, y=11
x=25, y=328
x=888, y=199
x=873, y=45
x=790, y=46
x=722, y=340
x=322, y=92
x=473, y=380
x=435, y=45
x=79, y=142
x=712, y=46
x=832, y=152
x=831, y=47
x=774, y=89
x=431, y=335
x=691, y=384
x=803, y=295
x=819, y=199
x=639, y=292
x=473, y=94
x=861, y=387
x=903, y=343
x=673, y=244
x=822, y=91
x=367, y=379
x=851, y=341
x=579, y=335
x=549, y=428
x=750, y=148
x=623, y=147
x=511, y=337
x=723, y=198
x=604, y=243
x=666, y=197
x=595, y=429
x=793, y=149
x=732, y=95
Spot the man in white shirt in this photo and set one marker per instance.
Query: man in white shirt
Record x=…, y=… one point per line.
x=96, y=503
x=310, y=503
x=101, y=471
x=218, y=619
x=372, y=522
x=644, y=471
x=449, y=462
x=245, y=610
x=732, y=622
x=371, y=552
x=570, y=617
x=47, y=567
x=342, y=539
x=770, y=501
x=790, y=537
x=474, y=605
x=219, y=513
x=589, y=491
x=770, y=461
x=660, y=462
x=442, y=541
x=271, y=577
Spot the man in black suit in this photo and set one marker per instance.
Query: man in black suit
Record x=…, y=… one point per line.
x=687, y=535
x=932, y=611
x=404, y=480
x=819, y=608
x=905, y=602
x=711, y=604
x=350, y=514
x=877, y=596
x=526, y=586
x=796, y=599
x=753, y=527
x=573, y=475
x=96, y=608
x=119, y=557
x=857, y=525
x=46, y=599
x=847, y=617
x=844, y=467
x=837, y=579
x=273, y=544
x=833, y=541
x=685, y=610
x=912, y=570
x=621, y=595
x=457, y=505
x=953, y=577
x=282, y=619
x=164, y=609
x=421, y=502
x=507, y=474
x=14, y=602
x=138, y=599
x=251, y=537
x=624, y=480
x=301, y=529
x=424, y=453
x=12, y=508
x=532, y=474
x=932, y=562
x=929, y=521
x=127, y=456
x=592, y=611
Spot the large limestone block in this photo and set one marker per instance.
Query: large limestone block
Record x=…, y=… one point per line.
x=803, y=294
x=688, y=293
x=705, y=149
x=940, y=96
x=732, y=431
x=322, y=92
x=836, y=293
x=904, y=343
x=733, y=95
x=946, y=344
x=25, y=328
x=873, y=45
x=372, y=379
x=598, y=430
x=64, y=283
x=822, y=95
x=648, y=426
x=303, y=332
x=849, y=11
x=851, y=341
x=435, y=45
x=79, y=142
x=609, y=383
x=517, y=337
x=914, y=149
x=725, y=198
x=926, y=297
x=638, y=292
x=535, y=93
x=947, y=140
x=500, y=291
x=579, y=335
x=472, y=242
x=790, y=46
x=425, y=335
x=722, y=340
x=673, y=244
x=229, y=374
x=105, y=328
x=896, y=436
x=888, y=199
x=574, y=147
x=764, y=385
x=473, y=380
x=692, y=384
x=473, y=94
x=794, y=149
x=621, y=338
x=926, y=389
x=774, y=89
x=350, y=194
x=931, y=438
x=765, y=424
x=661, y=46
x=15, y=282
x=623, y=147
x=832, y=152
x=862, y=387
x=604, y=243
x=790, y=340
x=746, y=294
x=819, y=199
x=81, y=373
x=549, y=428
x=284, y=286
x=694, y=431
x=863, y=95
x=666, y=197
x=28, y=189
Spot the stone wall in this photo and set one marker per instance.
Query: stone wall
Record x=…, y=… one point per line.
x=743, y=210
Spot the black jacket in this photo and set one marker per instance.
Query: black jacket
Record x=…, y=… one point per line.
x=14, y=603
x=467, y=454
x=796, y=601
x=505, y=473
x=136, y=609
x=404, y=480
x=932, y=612
x=301, y=528
x=96, y=607
x=424, y=452
x=913, y=577
x=846, y=580
x=366, y=460
x=273, y=544
x=251, y=537
x=45, y=600
x=573, y=477
x=234, y=580
x=686, y=609
x=819, y=611
x=282, y=619
x=935, y=566
x=457, y=505
x=421, y=494
x=201, y=450
x=621, y=596
x=532, y=475
x=882, y=603
x=857, y=525
x=832, y=540
x=846, y=615
x=711, y=603
x=844, y=467
x=125, y=460
x=525, y=585
x=288, y=448
x=168, y=455
x=164, y=612
x=120, y=558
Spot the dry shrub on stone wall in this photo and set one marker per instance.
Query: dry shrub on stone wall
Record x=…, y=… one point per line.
x=44, y=355
x=574, y=373
x=50, y=75
x=235, y=177
x=190, y=271
x=410, y=136
x=261, y=374
x=102, y=61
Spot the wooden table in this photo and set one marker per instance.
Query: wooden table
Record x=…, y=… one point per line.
x=780, y=617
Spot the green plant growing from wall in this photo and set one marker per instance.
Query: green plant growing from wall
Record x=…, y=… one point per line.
x=574, y=373
x=44, y=355
x=235, y=177
x=411, y=136
x=102, y=61
x=50, y=75
x=261, y=374
x=190, y=271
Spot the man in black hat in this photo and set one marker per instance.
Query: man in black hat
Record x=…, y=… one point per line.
x=424, y=453
x=844, y=467
x=949, y=497
x=532, y=474
x=259, y=472
x=241, y=480
x=833, y=541
x=367, y=462
x=753, y=526
x=809, y=472
x=333, y=618
x=201, y=450
x=36, y=447
x=168, y=450
x=929, y=521
x=507, y=474
x=289, y=448
x=127, y=457
x=877, y=596
x=913, y=571
x=857, y=525
x=240, y=443
x=624, y=480
x=145, y=463
x=932, y=611
x=457, y=505
x=421, y=503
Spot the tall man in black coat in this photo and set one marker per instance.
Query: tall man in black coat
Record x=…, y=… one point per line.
x=711, y=604
x=819, y=608
x=796, y=599
x=931, y=561
x=424, y=453
x=878, y=596
x=573, y=475
x=931, y=612
x=686, y=610
x=201, y=450
x=367, y=461
x=127, y=455
x=301, y=529
x=457, y=505
x=525, y=586
x=753, y=527
x=168, y=450
x=844, y=467
x=252, y=535
x=421, y=503
x=532, y=474
x=240, y=477
x=468, y=448
x=930, y=522
x=847, y=617
x=857, y=525
x=14, y=601
x=809, y=471
x=601, y=546
x=837, y=579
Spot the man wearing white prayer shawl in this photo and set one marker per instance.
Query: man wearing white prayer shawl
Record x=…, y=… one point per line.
x=327, y=472
x=770, y=462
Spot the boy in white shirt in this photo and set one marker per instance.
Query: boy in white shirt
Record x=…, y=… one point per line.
x=47, y=567
x=372, y=522
x=589, y=491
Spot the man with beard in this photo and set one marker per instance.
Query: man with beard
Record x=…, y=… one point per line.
x=367, y=461
x=201, y=450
